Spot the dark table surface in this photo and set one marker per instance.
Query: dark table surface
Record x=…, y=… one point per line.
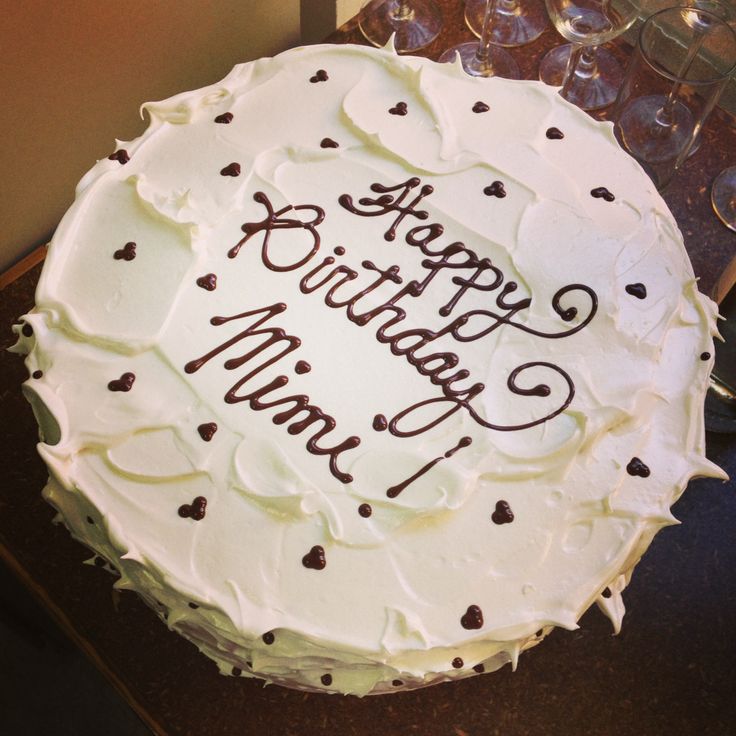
x=670, y=671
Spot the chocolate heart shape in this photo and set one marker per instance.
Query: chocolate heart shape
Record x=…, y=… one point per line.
x=472, y=618
x=120, y=156
x=124, y=383
x=207, y=282
x=637, y=290
x=207, y=431
x=554, y=134
x=195, y=510
x=315, y=558
x=225, y=119
x=503, y=513
x=329, y=143
x=602, y=193
x=480, y=107
x=637, y=467
x=232, y=169
x=400, y=109
x=495, y=190
x=126, y=253
x=319, y=76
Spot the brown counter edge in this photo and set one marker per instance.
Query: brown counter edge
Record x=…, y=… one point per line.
x=22, y=266
x=63, y=622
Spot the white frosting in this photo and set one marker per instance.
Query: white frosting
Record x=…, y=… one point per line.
x=389, y=602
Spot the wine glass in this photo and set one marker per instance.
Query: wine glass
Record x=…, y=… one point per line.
x=480, y=58
x=414, y=23
x=515, y=22
x=723, y=191
x=671, y=88
x=589, y=75
x=723, y=197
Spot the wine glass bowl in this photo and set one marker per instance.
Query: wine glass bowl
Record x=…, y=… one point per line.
x=588, y=75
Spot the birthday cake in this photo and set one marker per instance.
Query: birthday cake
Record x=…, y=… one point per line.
x=366, y=374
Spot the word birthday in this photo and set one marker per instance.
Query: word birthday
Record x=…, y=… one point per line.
x=467, y=271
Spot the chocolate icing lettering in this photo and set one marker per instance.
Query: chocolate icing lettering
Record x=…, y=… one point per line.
x=300, y=404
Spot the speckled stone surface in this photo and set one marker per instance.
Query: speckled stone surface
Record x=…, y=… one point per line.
x=671, y=671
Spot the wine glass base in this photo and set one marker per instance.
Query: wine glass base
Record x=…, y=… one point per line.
x=588, y=92
x=649, y=140
x=413, y=31
x=499, y=63
x=723, y=197
x=509, y=27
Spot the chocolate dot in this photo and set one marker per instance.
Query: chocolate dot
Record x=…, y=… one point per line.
x=236, y=671
x=99, y=562
x=339, y=251
x=329, y=143
x=503, y=513
x=602, y=193
x=472, y=618
x=193, y=605
x=479, y=668
x=637, y=467
x=399, y=109
x=268, y=637
x=379, y=423
x=365, y=510
x=457, y=663
x=302, y=367
x=315, y=558
x=126, y=253
x=27, y=330
x=319, y=76
x=326, y=680
x=554, y=134
x=207, y=431
x=637, y=290
x=120, y=156
x=124, y=383
x=606, y=593
x=208, y=282
x=397, y=683
x=37, y=374
x=705, y=356
x=196, y=510
x=225, y=119
x=90, y=520
x=480, y=107
x=232, y=169
x=495, y=190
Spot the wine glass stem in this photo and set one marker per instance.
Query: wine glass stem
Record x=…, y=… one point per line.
x=664, y=115
x=510, y=7
x=403, y=11
x=483, y=54
x=581, y=64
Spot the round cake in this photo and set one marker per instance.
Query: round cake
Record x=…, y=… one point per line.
x=365, y=374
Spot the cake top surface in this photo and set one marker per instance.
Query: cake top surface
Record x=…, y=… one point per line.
x=370, y=365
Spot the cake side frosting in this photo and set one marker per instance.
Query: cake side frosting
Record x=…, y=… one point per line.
x=366, y=373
